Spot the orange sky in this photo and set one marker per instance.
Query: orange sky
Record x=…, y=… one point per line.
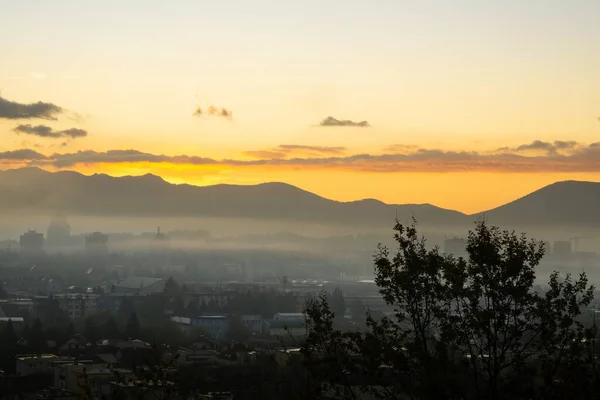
x=465, y=106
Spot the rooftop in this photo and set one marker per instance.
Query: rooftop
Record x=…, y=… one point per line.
x=137, y=282
x=23, y=357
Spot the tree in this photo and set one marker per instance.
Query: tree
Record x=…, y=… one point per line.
x=461, y=328
x=337, y=302
x=111, y=330
x=126, y=308
x=171, y=287
x=36, y=338
x=236, y=331
x=9, y=336
x=132, y=331
x=3, y=293
x=90, y=330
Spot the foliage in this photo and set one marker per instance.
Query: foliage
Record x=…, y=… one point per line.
x=133, y=328
x=461, y=328
x=236, y=331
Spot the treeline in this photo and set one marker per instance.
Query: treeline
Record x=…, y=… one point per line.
x=461, y=329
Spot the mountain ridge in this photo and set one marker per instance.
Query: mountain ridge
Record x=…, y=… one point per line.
x=36, y=190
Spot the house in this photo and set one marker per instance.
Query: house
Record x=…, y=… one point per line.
x=214, y=325
x=254, y=323
x=285, y=329
x=75, y=346
x=183, y=323
x=35, y=364
x=69, y=376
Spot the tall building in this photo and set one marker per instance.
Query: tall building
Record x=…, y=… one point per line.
x=457, y=247
x=59, y=232
x=31, y=242
x=96, y=245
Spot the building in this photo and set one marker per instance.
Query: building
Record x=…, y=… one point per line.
x=140, y=285
x=96, y=245
x=457, y=247
x=289, y=317
x=254, y=323
x=285, y=329
x=59, y=232
x=98, y=376
x=31, y=242
x=78, y=305
x=35, y=364
x=78, y=344
x=214, y=325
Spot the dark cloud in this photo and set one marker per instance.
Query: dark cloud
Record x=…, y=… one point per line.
x=22, y=155
x=551, y=148
x=213, y=111
x=122, y=156
x=13, y=110
x=287, y=150
x=315, y=149
x=47, y=132
x=582, y=158
x=330, y=121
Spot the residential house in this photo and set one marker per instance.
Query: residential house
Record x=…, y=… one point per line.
x=75, y=346
x=35, y=364
x=70, y=376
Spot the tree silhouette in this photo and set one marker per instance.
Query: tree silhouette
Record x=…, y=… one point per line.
x=468, y=329
x=9, y=336
x=111, y=330
x=171, y=287
x=133, y=329
x=36, y=338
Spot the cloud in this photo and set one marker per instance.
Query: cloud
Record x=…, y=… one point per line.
x=47, y=132
x=21, y=155
x=13, y=110
x=583, y=158
x=213, y=111
x=551, y=148
x=330, y=121
x=287, y=150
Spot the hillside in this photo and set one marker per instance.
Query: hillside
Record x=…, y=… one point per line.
x=34, y=190
x=568, y=203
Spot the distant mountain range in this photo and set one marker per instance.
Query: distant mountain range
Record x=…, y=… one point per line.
x=33, y=190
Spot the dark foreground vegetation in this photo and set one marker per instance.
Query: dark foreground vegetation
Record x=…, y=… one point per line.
x=461, y=329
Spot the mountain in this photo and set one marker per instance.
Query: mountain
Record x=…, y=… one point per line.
x=33, y=190
x=567, y=203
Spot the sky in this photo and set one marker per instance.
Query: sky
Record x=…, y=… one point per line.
x=465, y=104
